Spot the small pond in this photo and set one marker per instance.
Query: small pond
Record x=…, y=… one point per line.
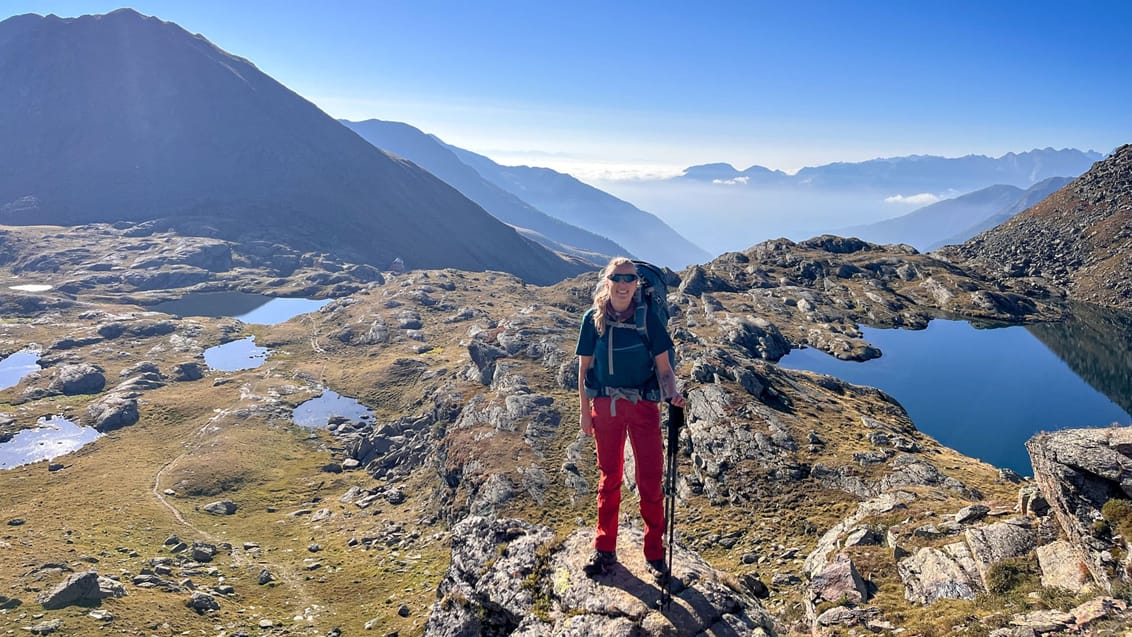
x=17, y=365
x=984, y=392
x=257, y=309
x=235, y=355
x=54, y=437
x=317, y=412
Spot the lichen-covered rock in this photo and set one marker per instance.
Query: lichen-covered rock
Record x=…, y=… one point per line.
x=499, y=567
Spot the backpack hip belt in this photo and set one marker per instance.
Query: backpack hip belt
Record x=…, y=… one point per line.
x=631, y=394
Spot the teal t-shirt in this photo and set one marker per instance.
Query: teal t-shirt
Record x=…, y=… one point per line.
x=632, y=364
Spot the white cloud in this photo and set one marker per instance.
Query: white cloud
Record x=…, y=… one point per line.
x=922, y=199
x=738, y=181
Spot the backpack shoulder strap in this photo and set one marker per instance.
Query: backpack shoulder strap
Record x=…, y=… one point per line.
x=641, y=322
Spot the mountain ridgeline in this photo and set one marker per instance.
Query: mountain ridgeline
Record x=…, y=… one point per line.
x=582, y=205
x=955, y=220
x=911, y=174
x=1079, y=238
x=126, y=118
x=431, y=154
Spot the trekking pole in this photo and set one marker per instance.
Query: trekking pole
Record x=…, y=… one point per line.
x=675, y=422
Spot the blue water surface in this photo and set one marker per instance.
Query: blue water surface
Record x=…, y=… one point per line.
x=235, y=355
x=17, y=365
x=983, y=392
x=317, y=412
x=54, y=437
x=257, y=309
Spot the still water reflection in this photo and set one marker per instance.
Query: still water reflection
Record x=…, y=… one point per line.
x=984, y=392
x=317, y=412
x=249, y=308
x=235, y=355
x=54, y=437
x=16, y=366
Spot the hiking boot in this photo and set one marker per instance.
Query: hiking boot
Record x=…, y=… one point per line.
x=658, y=568
x=599, y=563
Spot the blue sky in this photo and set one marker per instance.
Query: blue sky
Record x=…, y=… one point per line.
x=622, y=89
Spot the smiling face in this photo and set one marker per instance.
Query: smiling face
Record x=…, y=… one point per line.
x=620, y=291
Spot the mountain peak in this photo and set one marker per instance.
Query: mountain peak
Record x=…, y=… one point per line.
x=124, y=117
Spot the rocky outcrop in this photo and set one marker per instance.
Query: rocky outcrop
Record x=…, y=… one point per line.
x=513, y=577
x=113, y=411
x=1078, y=471
x=82, y=378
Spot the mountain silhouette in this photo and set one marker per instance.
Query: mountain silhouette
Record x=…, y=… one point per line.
x=1030, y=197
x=955, y=220
x=122, y=117
x=579, y=204
x=430, y=153
x=913, y=173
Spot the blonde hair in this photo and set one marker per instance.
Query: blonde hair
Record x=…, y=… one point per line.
x=601, y=292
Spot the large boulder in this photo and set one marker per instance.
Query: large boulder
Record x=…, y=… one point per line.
x=81, y=588
x=81, y=378
x=945, y=573
x=113, y=411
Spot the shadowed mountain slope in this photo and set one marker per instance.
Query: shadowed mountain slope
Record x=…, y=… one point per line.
x=122, y=117
x=1079, y=238
x=931, y=223
x=1029, y=197
x=576, y=203
x=956, y=220
x=431, y=154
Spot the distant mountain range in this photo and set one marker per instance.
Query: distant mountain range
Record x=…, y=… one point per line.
x=913, y=173
x=122, y=117
x=955, y=220
x=430, y=153
x=579, y=204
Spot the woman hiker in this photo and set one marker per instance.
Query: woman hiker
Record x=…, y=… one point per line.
x=621, y=381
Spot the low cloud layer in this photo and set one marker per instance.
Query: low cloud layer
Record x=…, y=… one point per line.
x=922, y=199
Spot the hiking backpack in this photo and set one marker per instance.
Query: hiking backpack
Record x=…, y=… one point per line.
x=652, y=296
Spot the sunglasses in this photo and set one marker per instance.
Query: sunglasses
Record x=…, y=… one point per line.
x=623, y=278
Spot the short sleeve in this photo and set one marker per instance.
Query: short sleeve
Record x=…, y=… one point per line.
x=662, y=342
x=587, y=335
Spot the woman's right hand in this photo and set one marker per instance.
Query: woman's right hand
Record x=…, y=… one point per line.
x=586, y=421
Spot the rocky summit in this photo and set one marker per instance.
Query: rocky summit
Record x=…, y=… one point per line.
x=461, y=501
x=1079, y=238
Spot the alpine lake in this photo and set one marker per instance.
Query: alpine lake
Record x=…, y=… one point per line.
x=57, y=436
x=985, y=389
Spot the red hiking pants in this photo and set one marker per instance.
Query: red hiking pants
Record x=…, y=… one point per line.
x=641, y=421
